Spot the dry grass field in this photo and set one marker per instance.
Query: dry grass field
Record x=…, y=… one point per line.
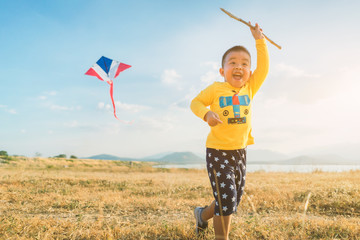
x=90, y=199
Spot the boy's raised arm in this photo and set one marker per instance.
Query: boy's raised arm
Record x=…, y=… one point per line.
x=262, y=65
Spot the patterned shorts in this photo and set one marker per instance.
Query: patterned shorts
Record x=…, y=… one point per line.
x=227, y=170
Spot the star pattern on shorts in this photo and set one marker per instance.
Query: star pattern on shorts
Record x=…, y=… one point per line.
x=224, y=196
x=227, y=170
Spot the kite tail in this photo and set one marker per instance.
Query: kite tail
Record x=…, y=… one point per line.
x=111, y=83
x=112, y=97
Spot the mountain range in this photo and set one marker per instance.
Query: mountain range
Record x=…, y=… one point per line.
x=253, y=157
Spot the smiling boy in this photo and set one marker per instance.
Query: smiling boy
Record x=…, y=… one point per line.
x=229, y=117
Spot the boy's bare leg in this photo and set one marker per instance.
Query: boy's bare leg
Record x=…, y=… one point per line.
x=222, y=227
x=221, y=231
x=208, y=212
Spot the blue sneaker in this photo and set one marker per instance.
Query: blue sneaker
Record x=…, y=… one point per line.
x=200, y=224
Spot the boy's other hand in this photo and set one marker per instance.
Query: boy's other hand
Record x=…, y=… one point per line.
x=256, y=32
x=212, y=119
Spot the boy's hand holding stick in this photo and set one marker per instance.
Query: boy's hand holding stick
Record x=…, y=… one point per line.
x=249, y=25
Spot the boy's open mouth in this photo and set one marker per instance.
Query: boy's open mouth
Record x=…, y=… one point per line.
x=237, y=76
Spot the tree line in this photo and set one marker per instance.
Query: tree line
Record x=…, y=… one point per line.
x=5, y=154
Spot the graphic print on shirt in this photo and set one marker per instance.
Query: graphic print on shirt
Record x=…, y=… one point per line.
x=235, y=101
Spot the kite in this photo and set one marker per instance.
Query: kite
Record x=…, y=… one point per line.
x=107, y=70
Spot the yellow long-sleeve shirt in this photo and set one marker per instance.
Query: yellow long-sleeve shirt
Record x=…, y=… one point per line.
x=234, y=111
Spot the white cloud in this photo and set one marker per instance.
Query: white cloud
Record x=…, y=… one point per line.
x=108, y=107
x=212, y=75
x=101, y=105
x=7, y=109
x=130, y=107
x=298, y=85
x=47, y=94
x=12, y=111
x=213, y=65
x=292, y=71
x=182, y=104
x=51, y=93
x=45, y=98
x=134, y=108
x=72, y=124
x=172, y=78
x=58, y=107
x=63, y=108
x=287, y=126
x=164, y=124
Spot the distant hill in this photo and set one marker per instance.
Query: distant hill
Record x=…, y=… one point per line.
x=110, y=157
x=264, y=156
x=157, y=156
x=254, y=157
x=180, y=158
x=168, y=158
x=318, y=160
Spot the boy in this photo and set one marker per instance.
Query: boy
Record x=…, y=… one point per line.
x=230, y=120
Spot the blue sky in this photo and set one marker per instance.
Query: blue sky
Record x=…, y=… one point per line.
x=309, y=103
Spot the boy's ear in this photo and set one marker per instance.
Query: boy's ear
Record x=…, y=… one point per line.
x=221, y=71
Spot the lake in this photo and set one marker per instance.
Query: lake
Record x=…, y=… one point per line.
x=276, y=168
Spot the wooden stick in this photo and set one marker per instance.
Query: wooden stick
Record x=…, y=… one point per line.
x=220, y=205
x=247, y=24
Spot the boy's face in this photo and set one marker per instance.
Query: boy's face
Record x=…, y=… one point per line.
x=236, y=70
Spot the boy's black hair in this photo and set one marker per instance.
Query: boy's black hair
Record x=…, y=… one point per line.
x=234, y=49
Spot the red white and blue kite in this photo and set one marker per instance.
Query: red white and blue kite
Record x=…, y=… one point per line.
x=107, y=70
